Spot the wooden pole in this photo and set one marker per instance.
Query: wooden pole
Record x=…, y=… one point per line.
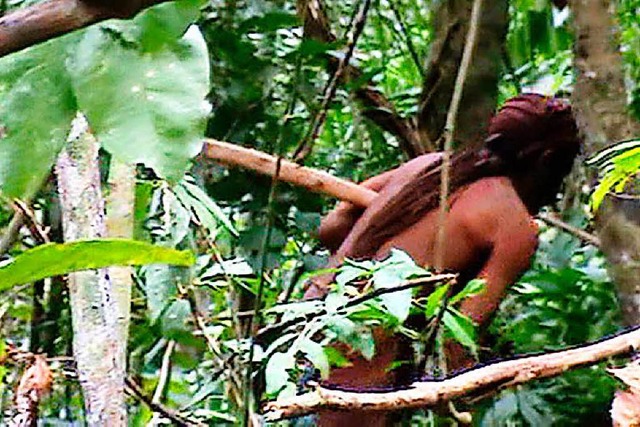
x=293, y=173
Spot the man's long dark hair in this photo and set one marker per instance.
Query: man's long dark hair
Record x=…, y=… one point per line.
x=530, y=135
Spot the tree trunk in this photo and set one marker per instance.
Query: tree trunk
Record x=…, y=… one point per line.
x=97, y=344
x=480, y=93
x=599, y=101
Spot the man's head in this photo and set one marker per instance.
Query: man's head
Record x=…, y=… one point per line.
x=537, y=139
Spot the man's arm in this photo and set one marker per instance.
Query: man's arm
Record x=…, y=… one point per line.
x=339, y=222
x=501, y=223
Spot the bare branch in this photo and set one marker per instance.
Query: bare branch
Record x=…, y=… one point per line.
x=449, y=128
x=554, y=221
x=12, y=233
x=312, y=179
x=377, y=107
x=422, y=394
x=329, y=93
x=133, y=389
x=43, y=21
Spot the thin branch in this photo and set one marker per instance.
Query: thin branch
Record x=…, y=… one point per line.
x=12, y=233
x=43, y=21
x=449, y=128
x=554, y=221
x=422, y=394
x=447, y=278
x=165, y=370
x=249, y=385
x=376, y=107
x=213, y=346
x=133, y=389
x=304, y=149
x=38, y=233
x=407, y=37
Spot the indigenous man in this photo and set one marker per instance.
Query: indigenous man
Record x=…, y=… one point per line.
x=489, y=230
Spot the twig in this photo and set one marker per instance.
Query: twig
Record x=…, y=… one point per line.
x=37, y=232
x=306, y=145
x=422, y=394
x=376, y=107
x=554, y=221
x=257, y=308
x=212, y=345
x=133, y=389
x=12, y=233
x=165, y=370
x=449, y=128
x=407, y=285
x=404, y=32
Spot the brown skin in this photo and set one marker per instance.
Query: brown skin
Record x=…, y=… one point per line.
x=487, y=220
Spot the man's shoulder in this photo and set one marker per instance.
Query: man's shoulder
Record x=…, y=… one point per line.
x=494, y=200
x=493, y=192
x=491, y=209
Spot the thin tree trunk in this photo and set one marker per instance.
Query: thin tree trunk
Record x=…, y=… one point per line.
x=120, y=223
x=599, y=101
x=97, y=342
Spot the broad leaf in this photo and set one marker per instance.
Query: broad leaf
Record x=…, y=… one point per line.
x=461, y=328
x=207, y=211
x=144, y=107
x=55, y=259
x=473, y=287
x=434, y=300
x=36, y=109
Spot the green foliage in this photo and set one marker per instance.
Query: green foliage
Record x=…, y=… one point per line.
x=141, y=84
x=144, y=98
x=630, y=48
x=617, y=164
x=361, y=300
x=56, y=259
x=37, y=105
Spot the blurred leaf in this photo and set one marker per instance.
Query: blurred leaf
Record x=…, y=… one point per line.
x=314, y=352
x=175, y=321
x=473, y=287
x=37, y=105
x=232, y=267
x=336, y=358
x=348, y=274
x=276, y=373
x=617, y=164
x=270, y=21
x=206, y=210
x=434, y=300
x=161, y=25
x=160, y=287
x=461, y=328
x=55, y=259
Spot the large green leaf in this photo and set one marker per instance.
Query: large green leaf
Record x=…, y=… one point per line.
x=55, y=259
x=36, y=109
x=145, y=106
